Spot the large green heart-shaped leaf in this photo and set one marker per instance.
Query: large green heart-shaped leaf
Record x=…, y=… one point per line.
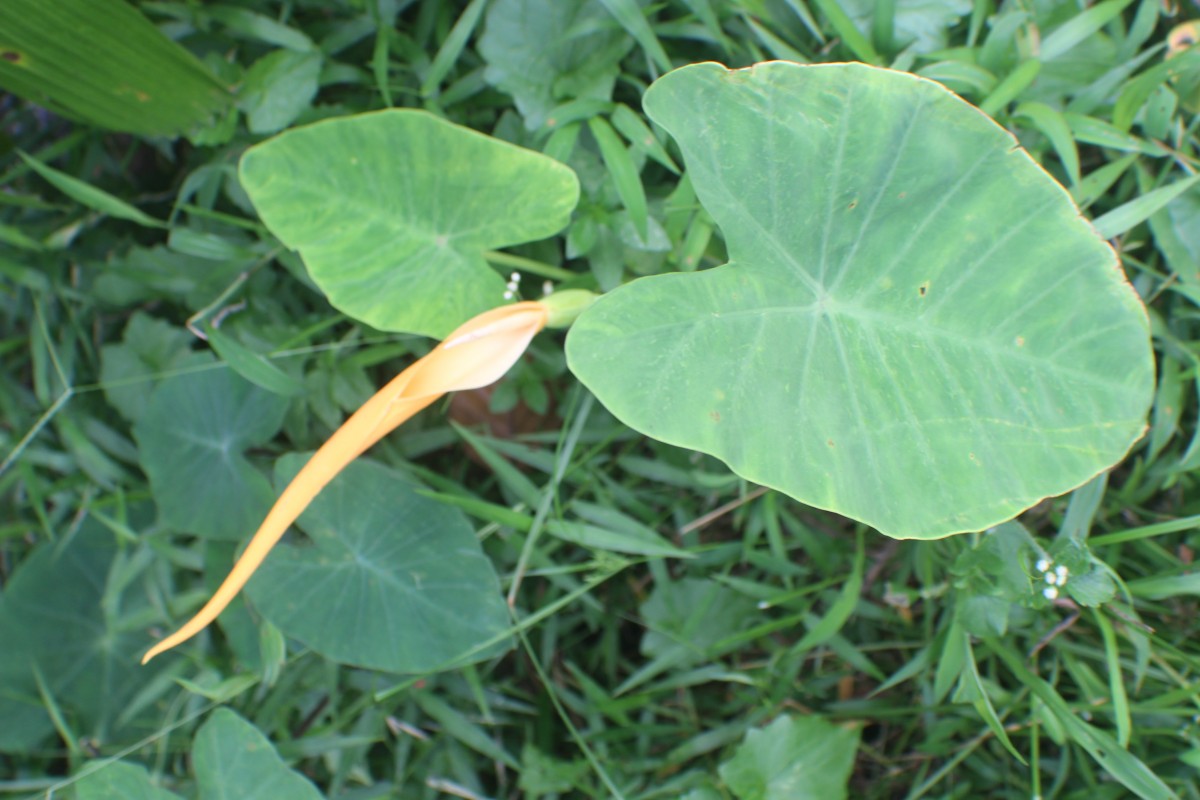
x=392, y=580
x=192, y=439
x=916, y=328
x=393, y=210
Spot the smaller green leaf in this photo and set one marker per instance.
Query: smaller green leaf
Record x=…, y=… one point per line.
x=58, y=615
x=278, y=88
x=232, y=758
x=90, y=196
x=685, y=621
x=109, y=780
x=252, y=366
x=414, y=201
x=543, y=774
x=793, y=758
x=149, y=351
x=544, y=53
x=193, y=436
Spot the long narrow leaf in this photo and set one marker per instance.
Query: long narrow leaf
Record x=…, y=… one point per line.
x=90, y=196
x=1138, y=210
x=1107, y=751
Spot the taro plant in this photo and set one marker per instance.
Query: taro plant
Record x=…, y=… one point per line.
x=915, y=328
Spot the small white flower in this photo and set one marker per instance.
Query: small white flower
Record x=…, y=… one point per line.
x=547, y=287
x=1043, y=565
x=1050, y=592
x=1051, y=578
x=1062, y=573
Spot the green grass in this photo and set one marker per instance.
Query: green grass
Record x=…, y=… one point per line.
x=630, y=676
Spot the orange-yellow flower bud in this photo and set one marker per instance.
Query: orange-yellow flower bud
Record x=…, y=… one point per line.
x=478, y=353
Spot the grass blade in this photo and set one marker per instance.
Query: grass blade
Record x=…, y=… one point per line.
x=88, y=195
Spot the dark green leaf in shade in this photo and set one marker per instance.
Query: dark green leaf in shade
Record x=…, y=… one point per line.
x=57, y=617
x=150, y=350
x=233, y=759
x=793, y=758
x=278, y=88
x=193, y=439
x=118, y=780
x=546, y=52
x=390, y=580
x=686, y=618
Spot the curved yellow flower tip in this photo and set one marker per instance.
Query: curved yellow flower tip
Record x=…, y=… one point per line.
x=478, y=353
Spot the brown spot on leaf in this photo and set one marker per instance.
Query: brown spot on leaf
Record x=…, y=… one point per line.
x=715, y=416
x=829, y=442
x=10, y=55
x=923, y=289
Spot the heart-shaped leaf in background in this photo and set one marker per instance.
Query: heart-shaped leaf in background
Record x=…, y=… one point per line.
x=192, y=438
x=916, y=328
x=232, y=758
x=793, y=758
x=393, y=210
x=545, y=54
x=107, y=780
x=392, y=580
x=60, y=619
